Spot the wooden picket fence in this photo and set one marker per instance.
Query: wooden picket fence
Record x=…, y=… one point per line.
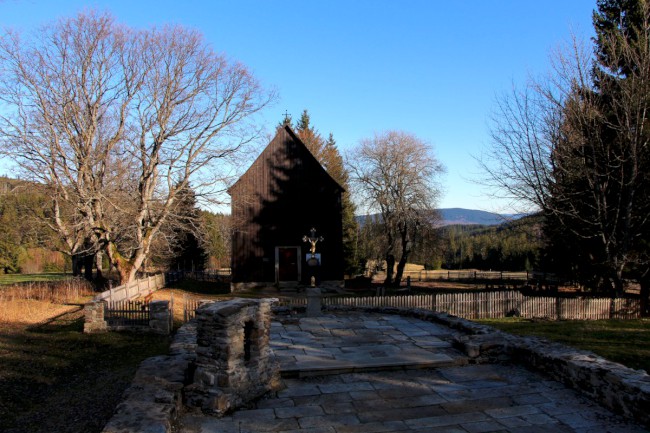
x=189, y=307
x=485, y=305
x=190, y=304
x=127, y=313
x=481, y=305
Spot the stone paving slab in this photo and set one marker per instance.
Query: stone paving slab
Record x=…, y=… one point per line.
x=335, y=344
x=420, y=401
x=453, y=398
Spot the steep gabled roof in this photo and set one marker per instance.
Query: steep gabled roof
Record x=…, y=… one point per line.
x=279, y=140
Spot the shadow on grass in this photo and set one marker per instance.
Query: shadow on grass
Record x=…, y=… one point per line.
x=54, y=378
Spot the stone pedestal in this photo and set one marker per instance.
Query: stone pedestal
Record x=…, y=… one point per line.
x=314, y=301
x=160, y=317
x=234, y=360
x=94, y=317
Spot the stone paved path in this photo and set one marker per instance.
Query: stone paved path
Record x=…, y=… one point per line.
x=350, y=397
x=334, y=344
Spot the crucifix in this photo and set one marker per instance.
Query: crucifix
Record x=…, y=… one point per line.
x=313, y=261
x=313, y=240
x=287, y=118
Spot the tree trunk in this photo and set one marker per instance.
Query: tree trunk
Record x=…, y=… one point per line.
x=76, y=264
x=89, y=261
x=406, y=250
x=125, y=267
x=645, y=296
x=400, y=271
x=98, y=264
x=390, y=265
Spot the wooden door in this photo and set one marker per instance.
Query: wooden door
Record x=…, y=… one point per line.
x=288, y=263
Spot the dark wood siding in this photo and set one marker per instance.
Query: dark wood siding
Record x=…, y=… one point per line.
x=276, y=202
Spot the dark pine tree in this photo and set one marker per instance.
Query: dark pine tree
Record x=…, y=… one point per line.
x=188, y=252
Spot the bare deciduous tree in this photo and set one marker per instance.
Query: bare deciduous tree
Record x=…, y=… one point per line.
x=117, y=122
x=396, y=175
x=576, y=146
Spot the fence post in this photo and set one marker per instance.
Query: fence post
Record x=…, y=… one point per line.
x=185, y=319
x=171, y=311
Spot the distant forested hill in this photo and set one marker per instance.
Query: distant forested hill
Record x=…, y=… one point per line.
x=470, y=216
x=460, y=216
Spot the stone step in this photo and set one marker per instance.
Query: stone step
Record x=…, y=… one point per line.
x=358, y=362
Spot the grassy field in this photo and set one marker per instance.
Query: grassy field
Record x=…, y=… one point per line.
x=623, y=341
x=8, y=279
x=53, y=377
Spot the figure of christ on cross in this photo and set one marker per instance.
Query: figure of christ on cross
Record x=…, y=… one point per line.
x=313, y=240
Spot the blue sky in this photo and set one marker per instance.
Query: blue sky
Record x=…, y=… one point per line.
x=430, y=68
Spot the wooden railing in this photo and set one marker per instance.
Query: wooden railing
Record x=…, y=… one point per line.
x=132, y=290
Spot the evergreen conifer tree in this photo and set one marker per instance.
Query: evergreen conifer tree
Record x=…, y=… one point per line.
x=188, y=252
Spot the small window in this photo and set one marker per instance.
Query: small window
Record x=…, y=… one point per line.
x=248, y=339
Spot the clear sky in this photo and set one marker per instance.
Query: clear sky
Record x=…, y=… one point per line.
x=432, y=68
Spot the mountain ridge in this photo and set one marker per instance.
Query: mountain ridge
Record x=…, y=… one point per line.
x=449, y=216
x=462, y=216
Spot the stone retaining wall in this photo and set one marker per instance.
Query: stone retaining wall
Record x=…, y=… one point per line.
x=208, y=366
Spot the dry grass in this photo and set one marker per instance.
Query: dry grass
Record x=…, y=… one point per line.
x=29, y=312
x=35, y=302
x=63, y=291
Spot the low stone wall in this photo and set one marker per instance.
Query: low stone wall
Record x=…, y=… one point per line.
x=154, y=399
x=613, y=385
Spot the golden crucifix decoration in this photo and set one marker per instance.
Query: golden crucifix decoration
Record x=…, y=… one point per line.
x=313, y=240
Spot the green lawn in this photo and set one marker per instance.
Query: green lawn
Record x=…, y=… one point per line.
x=623, y=341
x=7, y=279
